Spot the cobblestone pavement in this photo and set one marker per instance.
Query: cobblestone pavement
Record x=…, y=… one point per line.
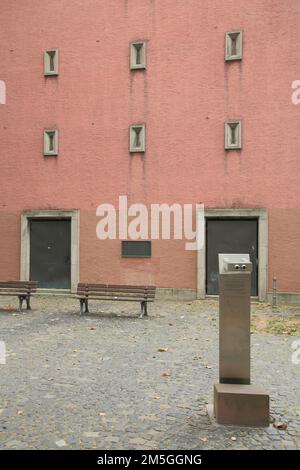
x=100, y=381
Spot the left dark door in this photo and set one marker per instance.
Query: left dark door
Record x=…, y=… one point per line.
x=50, y=253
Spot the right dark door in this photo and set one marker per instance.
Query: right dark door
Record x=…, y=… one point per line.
x=230, y=236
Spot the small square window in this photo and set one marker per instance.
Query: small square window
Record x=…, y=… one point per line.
x=137, y=138
x=233, y=135
x=51, y=142
x=51, y=62
x=138, y=55
x=234, y=45
x=136, y=249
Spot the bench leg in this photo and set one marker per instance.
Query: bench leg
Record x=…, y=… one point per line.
x=143, y=309
x=81, y=306
x=146, y=309
x=20, y=303
x=28, y=306
x=87, y=306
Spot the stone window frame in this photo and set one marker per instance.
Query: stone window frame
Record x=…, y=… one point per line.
x=229, y=55
x=2, y=92
x=132, y=137
x=133, y=55
x=47, y=152
x=47, y=69
x=228, y=134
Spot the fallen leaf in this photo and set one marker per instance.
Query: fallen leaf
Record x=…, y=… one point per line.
x=20, y=413
x=156, y=397
x=279, y=425
x=163, y=349
x=166, y=374
x=233, y=438
x=8, y=308
x=92, y=328
x=203, y=439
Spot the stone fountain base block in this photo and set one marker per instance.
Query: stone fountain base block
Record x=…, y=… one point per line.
x=241, y=405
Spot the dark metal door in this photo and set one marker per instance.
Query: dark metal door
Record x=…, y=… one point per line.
x=230, y=236
x=50, y=253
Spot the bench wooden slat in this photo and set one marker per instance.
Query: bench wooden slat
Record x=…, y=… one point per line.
x=14, y=284
x=116, y=291
x=125, y=299
x=15, y=292
x=15, y=288
x=115, y=287
x=115, y=295
x=100, y=288
x=125, y=286
x=18, y=282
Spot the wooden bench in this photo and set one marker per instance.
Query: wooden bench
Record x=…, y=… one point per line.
x=21, y=289
x=142, y=294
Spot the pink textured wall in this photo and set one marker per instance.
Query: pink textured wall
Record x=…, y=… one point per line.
x=184, y=97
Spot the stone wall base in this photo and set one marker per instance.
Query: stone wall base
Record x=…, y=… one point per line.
x=289, y=298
